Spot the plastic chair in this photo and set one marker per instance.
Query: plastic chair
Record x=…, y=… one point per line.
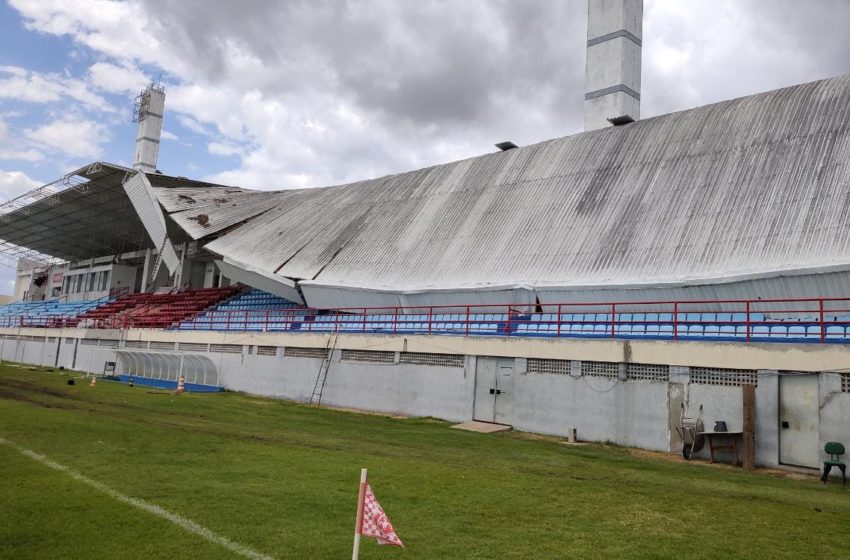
x=834, y=450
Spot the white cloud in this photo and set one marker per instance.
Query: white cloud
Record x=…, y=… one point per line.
x=24, y=85
x=188, y=122
x=15, y=183
x=71, y=136
x=117, y=79
x=167, y=135
x=225, y=149
x=324, y=92
x=21, y=155
x=10, y=150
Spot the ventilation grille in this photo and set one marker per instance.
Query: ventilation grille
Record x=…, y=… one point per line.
x=89, y=341
x=162, y=346
x=648, y=372
x=429, y=359
x=266, y=350
x=67, y=340
x=250, y=349
x=540, y=365
x=192, y=347
x=32, y=338
x=226, y=348
x=51, y=339
x=299, y=352
x=136, y=344
x=601, y=369
x=722, y=376
x=845, y=383
x=107, y=343
x=372, y=356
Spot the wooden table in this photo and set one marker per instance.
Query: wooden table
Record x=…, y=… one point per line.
x=731, y=443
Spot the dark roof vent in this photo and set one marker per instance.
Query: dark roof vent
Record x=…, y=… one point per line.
x=505, y=146
x=617, y=121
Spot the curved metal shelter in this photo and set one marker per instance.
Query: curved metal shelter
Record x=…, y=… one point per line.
x=167, y=366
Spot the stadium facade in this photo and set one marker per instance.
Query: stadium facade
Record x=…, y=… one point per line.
x=605, y=279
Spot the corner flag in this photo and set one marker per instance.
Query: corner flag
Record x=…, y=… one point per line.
x=371, y=519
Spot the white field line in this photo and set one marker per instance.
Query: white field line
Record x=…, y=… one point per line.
x=179, y=520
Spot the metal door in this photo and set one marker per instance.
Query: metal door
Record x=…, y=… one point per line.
x=799, y=440
x=494, y=390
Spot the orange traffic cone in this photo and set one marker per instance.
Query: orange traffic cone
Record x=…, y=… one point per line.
x=93, y=381
x=181, y=385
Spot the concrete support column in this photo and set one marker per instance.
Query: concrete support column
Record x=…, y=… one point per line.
x=613, y=69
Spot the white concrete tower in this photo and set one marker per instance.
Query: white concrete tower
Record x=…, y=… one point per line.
x=612, y=80
x=148, y=111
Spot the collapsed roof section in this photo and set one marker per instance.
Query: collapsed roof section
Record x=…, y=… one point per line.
x=751, y=188
x=744, y=198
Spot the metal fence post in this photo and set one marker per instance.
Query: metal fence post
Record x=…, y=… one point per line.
x=613, y=319
x=675, y=320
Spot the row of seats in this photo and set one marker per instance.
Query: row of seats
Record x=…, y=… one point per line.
x=48, y=313
x=156, y=310
x=251, y=310
x=255, y=300
x=649, y=317
x=777, y=331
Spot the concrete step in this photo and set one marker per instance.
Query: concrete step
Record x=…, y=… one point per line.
x=483, y=427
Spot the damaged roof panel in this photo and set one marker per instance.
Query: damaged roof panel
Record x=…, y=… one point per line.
x=752, y=185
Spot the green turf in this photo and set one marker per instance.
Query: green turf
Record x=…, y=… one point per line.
x=281, y=479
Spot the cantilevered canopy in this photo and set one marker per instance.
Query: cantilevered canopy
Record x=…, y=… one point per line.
x=88, y=213
x=85, y=214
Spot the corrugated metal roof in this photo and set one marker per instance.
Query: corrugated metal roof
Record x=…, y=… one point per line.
x=755, y=185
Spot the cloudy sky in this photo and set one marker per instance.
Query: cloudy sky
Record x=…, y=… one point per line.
x=295, y=93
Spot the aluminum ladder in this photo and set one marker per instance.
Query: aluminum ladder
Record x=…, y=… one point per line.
x=321, y=378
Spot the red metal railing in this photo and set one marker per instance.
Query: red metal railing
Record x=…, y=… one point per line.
x=806, y=319
x=797, y=319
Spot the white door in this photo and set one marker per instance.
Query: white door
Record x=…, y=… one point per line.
x=485, y=390
x=799, y=440
x=494, y=390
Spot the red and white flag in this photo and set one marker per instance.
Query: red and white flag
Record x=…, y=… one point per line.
x=375, y=522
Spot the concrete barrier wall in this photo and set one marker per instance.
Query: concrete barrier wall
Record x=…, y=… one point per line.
x=639, y=413
x=632, y=413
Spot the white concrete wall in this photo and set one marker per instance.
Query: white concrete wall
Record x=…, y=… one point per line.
x=834, y=415
x=442, y=392
x=633, y=412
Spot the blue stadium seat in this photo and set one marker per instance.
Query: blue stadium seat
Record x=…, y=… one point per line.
x=728, y=331
x=797, y=331
x=711, y=330
x=696, y=330
x=759, y=331
x=835, y=331
x=779, y=331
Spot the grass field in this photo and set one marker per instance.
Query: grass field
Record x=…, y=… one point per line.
x=281, y=479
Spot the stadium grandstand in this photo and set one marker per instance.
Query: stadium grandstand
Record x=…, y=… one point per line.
x=677, y=245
